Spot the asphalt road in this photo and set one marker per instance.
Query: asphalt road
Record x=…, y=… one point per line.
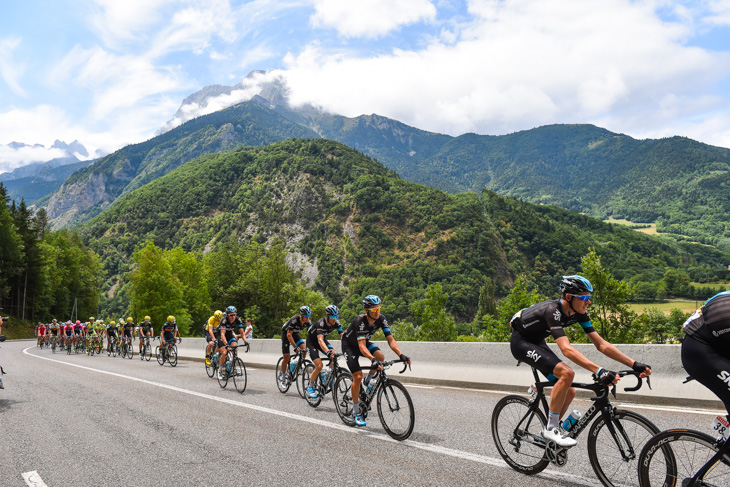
x=79, y=420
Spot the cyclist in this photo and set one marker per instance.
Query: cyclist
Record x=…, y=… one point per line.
x=317, y=340
x=212, y=323
x=90, y=334
x=128, y=329
x=530, y=327
x=54, y=327
x=228, y=336
x=290, y=335
x=68, y=331
x=145, y=330
x=111, y=332
x=168, y=331
x=706, y=346
x=41, y=331
x=356, y=343
x=78, y=332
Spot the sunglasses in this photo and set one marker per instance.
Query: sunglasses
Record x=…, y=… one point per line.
x=582, y=297
x=374, y=309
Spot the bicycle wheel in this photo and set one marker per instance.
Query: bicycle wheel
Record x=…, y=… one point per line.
x=91, y=351
x=516, y=432
x=130, y=350
x=307, y=382
x=239, y=375
x=223, y=373
x=632, y=431
x=674, y=457
x=395, y=409
x=298, y=379
x=342, y=395
x=158, y=355
x=148, y=352
x=210, y=369
x=172, y=356
x=282, y=385
x=142, y=352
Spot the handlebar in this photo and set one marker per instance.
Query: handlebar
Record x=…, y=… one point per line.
x=389, y=363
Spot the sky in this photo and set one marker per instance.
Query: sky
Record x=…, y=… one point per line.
x=109, y=73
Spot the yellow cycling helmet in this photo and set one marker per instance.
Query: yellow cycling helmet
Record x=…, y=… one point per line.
x=218, y=314
x=130, y=320
x=112, y=322
x=92, y=318
x=171, y=319
x=147, y=318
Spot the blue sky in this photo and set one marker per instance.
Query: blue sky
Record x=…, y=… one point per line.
x=110, y=73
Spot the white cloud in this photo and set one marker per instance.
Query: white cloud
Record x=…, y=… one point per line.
x=13, y=158
x=718, y=13
x=370, y=18
x=10, y=70
x=517, y=65
x=118, y=23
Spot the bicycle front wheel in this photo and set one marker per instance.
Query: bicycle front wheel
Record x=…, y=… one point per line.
x=148, y=352
x=209, y=369
x=307, y=382
x=283, y=385
x=516, y=432
x=239, y=375
x=674, y=457
x=158, y=355
x=223, y=373
x=614, y=459
x=342, y=395
x=395, y=410
x=130, y=351
x=172, y=356
x=300, y=371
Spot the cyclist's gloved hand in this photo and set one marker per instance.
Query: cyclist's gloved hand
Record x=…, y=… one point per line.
x=639, y=367
x=376, y=363
x=330, y=353
x=605, y=376
x=405, y=358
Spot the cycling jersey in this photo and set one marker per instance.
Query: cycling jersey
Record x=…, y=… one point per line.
x=77, y=329
x=361, y=329
x=323, y=329
x=112, y=330
x=230, y=328
x=211, y=324
x=295, y=324
x=145, y=327
x=42, y=330
x=711, y=323
x=168, y=330
x=546, y=318
x=68, y=330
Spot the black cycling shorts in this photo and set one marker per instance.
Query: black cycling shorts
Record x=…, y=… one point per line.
x=127, y=333
x=285, y=345
x=708, y=366
x=537, y=354
x=313, y=347
x=353, y=354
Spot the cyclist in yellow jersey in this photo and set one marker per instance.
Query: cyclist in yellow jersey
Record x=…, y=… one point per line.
x=213, y=322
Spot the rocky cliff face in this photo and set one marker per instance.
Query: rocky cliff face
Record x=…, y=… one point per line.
x=75, y=198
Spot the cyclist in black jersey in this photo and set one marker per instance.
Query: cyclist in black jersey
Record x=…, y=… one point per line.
x=706, y=346
x=169, y=331
x=530, y=327
x=290, y=335
x=111, y=332
x=145, y=330
x=317, y=340
x=230, y=330
x=356, y=343
x=128, y=329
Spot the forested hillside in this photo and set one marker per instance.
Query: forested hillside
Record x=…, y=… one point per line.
x=356, y=228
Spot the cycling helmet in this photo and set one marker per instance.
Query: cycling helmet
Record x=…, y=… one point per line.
x=370, y=300
x=91, y=318
x=112, y=323
x=305, y=311
x=78, y=322
x=171, y=319
x=218, y=314
x=231, y=309
x=575, y=285
x=332, y=311
x=147, y=318
x=130, y=320
x=55, y=320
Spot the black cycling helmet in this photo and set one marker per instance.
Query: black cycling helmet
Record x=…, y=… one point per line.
x=305, y=311
x=332, y=311
x=575, y=285
x=370, y=301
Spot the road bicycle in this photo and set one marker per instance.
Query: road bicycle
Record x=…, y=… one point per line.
x=112, y=348
x=297, y=365
x=687, y=458
x=614, y=440
x=167, y=352
x=325, y=382
x=234, y=369
x=146, y=351
x=54, y=343
x=394, y=404
x=126, y=348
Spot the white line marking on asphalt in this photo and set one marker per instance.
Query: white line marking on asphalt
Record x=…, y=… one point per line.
x=708, y=412
x=32, y=479
x=494, y=462
x=417, y=386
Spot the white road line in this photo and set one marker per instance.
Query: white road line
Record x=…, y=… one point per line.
x=708, y=412
x=494, y=462
x=32, y=479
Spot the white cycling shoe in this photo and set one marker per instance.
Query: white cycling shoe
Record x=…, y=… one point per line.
x=553, y=434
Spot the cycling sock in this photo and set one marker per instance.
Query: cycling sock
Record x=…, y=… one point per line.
x=355, y=408
x=553, y=420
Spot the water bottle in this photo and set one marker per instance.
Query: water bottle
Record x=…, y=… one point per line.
x=371, y=384
x=292, y=365
x=326, y=374
x=215, y=358
x=571, y=420
x=532, y=391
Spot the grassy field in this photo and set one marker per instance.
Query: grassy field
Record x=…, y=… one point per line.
x=726, y=285
x=686, y=306
x=650, y=230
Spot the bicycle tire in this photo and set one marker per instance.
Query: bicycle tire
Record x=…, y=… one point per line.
x=130, y=350
x=303, y=364
x=240, y=379
x=91, y=351
x=148, y=353
x=395, y=410
x=283, y=386
x=172, y=357
x=673, y=457
x=604, y=454
x=158, y=355
x=210, y=369
x=507, y=415
x=307, y=382
x=142, y=352
x=223, y=374
x=342, y=395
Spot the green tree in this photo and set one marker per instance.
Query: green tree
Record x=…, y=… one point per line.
x=522, y=295
x=431, y=319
